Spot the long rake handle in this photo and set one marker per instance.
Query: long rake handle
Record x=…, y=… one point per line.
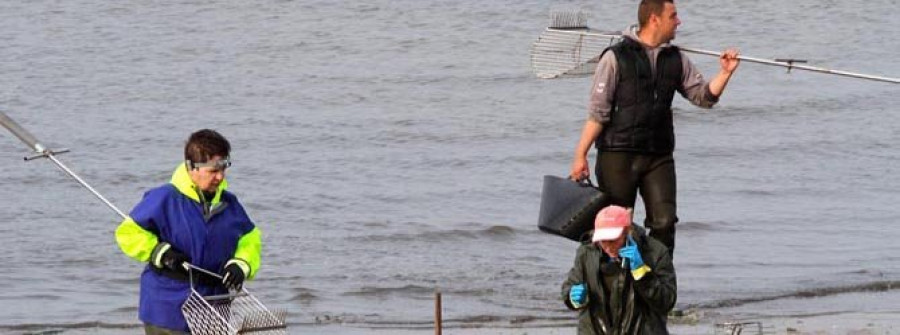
x=205, y=271
x=773, y=62
x=86, y=185
x=21, y=133
x=795, y=66
x=32, y=143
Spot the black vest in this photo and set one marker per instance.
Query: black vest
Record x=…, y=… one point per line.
x=641, y=119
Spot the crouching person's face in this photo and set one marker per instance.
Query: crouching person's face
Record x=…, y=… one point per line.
x=611, y=247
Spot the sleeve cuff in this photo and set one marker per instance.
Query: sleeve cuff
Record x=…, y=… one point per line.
x=158, y=252
x=711, y=97
x=241, y=264
x=640, y=272
x=575, y=304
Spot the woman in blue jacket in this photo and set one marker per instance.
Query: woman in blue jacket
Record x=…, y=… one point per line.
x=191, y=219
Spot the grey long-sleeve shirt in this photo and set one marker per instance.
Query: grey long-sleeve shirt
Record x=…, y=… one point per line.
x=603, y=89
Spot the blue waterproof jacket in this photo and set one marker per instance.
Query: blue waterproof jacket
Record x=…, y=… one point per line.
x=174, y=213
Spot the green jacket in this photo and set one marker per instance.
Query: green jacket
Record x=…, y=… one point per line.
x=641, y=306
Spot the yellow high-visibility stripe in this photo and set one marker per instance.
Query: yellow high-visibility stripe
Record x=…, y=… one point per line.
x=249, y=249
x=135, y=241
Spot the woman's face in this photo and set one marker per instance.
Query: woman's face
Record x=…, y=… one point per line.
x=207, y=178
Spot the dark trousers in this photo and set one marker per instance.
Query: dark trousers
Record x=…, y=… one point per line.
x=621, y=175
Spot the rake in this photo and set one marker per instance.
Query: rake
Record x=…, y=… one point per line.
x=237, y=312
x=742, y=328
x=568, y=48
x=228, y=314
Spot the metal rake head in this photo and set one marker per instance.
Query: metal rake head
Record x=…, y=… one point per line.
x=569, y=52
x=264, y=323
x=568, y=18
x=742, y=328
x=568, y=48
x=230, y=314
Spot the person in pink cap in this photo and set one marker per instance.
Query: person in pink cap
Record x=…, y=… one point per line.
x=623, y=282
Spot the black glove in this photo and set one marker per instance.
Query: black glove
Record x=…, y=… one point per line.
x=166, y=257
x=234, y=274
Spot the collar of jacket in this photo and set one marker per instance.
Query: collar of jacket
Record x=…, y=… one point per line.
x=182, y=181
x=632, y=34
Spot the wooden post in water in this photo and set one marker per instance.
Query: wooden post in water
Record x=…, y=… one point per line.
x=437, y=312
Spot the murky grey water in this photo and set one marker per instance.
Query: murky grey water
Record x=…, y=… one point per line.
x=389, y=148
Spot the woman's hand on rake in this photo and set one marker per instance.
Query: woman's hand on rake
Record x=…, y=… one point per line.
x=234, y=274
x=166, y=257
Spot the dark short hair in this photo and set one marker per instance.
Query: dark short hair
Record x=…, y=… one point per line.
x=204, y=144
x=648, y=7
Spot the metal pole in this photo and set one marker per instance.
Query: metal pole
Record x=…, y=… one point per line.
x=21, y=133
x=437, y=313
x=86, y=185
x=790, y=65
x=32, y=143
x=773, y=62
x=205, y=271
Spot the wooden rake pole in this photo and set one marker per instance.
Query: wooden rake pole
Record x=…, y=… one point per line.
x=437, y=313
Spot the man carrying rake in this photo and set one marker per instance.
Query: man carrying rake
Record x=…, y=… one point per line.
x=630, y=115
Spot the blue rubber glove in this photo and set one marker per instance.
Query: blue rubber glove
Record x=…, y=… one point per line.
x=577, y=295
x=635, y=262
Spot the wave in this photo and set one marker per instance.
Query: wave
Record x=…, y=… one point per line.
x=755, y=193
x=304, y=297
x=127, y=328
x=472, y=321
x=414, y=291
x=695, y=226
x=492, y=232
x=42, y=297
x=878, y=286
x=53, y=328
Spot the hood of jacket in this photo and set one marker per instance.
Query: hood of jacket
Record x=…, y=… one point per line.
x=632, y=33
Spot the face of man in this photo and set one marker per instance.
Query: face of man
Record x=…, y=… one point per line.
x=612, y=247
x=207, y=178
x=668, y=22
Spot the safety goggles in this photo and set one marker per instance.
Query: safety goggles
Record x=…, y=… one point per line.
x=218, y=165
